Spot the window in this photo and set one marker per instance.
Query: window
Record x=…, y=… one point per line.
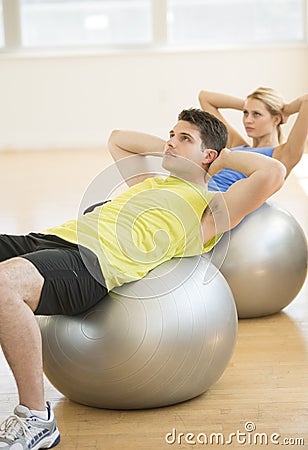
x=85, y=22
x=201, y=24
x=212, y=22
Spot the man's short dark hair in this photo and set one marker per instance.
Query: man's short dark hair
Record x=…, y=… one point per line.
x=213, y=132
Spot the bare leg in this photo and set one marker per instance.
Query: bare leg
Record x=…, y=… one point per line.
x=20, y=289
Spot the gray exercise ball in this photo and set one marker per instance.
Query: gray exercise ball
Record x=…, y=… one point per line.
x=264, y=261
x=155, y=342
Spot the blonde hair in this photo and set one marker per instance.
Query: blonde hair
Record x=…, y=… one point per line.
x=274, y=104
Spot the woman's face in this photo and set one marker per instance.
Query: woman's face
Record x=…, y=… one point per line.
x=257, y=120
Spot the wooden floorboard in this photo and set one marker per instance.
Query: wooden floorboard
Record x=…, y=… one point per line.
x=266, y=381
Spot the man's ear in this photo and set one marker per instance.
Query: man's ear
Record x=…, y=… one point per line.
x=209, y=156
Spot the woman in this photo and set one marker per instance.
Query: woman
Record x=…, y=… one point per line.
x=264, y=111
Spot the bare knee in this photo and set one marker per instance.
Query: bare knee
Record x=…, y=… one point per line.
x=20, y=281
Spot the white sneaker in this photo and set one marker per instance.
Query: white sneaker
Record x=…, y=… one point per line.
x=23, y=431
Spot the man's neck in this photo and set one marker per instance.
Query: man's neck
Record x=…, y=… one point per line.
x=200, y=179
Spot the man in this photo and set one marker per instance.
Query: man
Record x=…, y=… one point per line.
x=68, y=268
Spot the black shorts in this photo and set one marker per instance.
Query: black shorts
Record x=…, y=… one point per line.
x=69, y=288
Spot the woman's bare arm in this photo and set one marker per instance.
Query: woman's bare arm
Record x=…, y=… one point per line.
x=212, y=102
x=292, y=150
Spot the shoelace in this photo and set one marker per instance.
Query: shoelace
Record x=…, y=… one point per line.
x=15, y=426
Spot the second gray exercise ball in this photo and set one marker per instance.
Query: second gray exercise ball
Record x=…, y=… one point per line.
x=155, y=342
x=265, y=261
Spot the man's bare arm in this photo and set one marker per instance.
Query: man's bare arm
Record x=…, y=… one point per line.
x=265, y=176
x=130, y=150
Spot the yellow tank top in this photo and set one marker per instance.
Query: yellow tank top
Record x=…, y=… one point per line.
x=151, y=222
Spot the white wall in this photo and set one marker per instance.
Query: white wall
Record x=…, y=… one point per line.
x=75, y=101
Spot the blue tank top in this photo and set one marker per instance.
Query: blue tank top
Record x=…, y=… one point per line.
x=222, y=180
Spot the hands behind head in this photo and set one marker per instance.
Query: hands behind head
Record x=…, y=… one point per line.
x=219, y=163
x=284, y=115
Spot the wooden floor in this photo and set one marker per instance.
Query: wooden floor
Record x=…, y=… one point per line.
x=266, y=382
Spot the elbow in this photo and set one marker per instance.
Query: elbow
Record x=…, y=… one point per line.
x=278, y=175
x=113, y=140
x=272, y=180
x=113, y=136
x=304, y=98
x=202, y=97
x=205, y=101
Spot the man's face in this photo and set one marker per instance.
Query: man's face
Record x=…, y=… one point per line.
x=183, y=151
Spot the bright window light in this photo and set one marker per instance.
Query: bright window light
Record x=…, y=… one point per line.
x=239, y=22
x=97, y=22
x=54, y=23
